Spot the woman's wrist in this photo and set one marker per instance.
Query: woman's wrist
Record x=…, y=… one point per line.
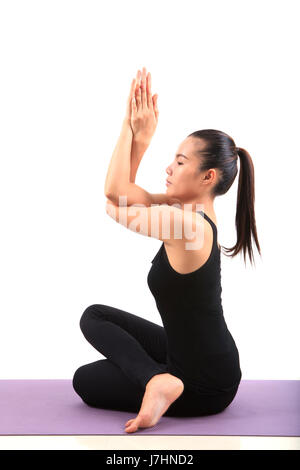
x=127, y=126
x=139, y=147
x=142, y=139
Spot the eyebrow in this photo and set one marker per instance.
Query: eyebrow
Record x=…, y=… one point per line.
x=181, y=155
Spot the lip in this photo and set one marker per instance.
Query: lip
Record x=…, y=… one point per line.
x=168, y=182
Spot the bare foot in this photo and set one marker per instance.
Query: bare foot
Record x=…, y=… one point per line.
x=161, y=391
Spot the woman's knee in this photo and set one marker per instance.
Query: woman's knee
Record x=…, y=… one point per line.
x=88, y=313
x=79, y=383
x=77, y=380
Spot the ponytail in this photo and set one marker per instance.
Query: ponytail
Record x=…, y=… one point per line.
x=245, y=215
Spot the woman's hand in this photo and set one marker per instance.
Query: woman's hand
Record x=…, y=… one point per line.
x=142, y=109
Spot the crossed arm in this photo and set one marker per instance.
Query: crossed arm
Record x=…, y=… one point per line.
x=120, y=178
x=121, y=190
x=154, y=215
x=166, y=223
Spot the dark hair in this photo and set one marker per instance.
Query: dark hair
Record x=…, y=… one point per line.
x=221, y=152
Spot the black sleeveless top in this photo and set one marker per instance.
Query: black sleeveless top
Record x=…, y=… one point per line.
x=201, y=350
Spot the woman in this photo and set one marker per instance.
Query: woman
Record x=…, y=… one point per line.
x=190, y=365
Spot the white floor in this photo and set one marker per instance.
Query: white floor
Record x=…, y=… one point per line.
x=113, y=442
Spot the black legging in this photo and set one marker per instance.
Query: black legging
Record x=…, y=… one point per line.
x=136, y=350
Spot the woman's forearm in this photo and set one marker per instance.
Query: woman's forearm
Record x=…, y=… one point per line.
x=119, y=170
x=138, y=149
x=120, y=178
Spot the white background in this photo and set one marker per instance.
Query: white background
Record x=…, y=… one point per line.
x=66, y=70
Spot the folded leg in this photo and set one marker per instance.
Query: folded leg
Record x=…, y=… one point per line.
x=136, y=345
x=103, y=384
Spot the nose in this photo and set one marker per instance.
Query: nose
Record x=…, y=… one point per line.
x=168, y=170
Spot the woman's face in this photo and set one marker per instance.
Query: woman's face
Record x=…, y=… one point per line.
x=183, y=172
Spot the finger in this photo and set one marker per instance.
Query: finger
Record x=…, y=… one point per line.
x=139, y=99
x=132, y=88
x=137, y=82
x=133, y=106
x=128, y=105
x=143, y=89
x=133, y=97
x=149, y=92
x=138, y=95
x=155, y=108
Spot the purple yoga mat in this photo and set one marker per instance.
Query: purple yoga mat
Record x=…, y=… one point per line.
x=52, y=407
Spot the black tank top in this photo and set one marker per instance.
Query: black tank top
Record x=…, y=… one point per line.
x=201, y=349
